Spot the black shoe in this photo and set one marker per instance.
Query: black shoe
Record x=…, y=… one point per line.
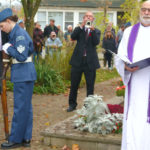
x=71, y=109
x=26, y=143
x=10, y=145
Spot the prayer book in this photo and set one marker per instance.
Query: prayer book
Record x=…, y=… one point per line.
x=141, y=64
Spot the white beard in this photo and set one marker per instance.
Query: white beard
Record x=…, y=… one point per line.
x=144, y=21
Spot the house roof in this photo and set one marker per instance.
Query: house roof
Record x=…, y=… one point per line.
x=78, y=3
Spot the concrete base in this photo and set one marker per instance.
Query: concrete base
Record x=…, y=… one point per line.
x=64, y=133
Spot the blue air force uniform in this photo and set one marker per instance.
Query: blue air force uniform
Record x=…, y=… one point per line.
x=23, y=75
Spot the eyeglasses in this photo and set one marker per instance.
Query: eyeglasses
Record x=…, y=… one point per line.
x=90, y=16
x=145, y=9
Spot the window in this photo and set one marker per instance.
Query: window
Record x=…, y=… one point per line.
x=57, y=16
x=69, y=16
x=110, y=17
x=81, y=17
x=41, y=18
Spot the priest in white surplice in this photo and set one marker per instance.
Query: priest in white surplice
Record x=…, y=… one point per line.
x=135, y=46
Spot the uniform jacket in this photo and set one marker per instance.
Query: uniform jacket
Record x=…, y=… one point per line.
x=83, y=44
x=21, y=49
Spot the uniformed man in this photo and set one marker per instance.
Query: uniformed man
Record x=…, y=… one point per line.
x=23, y=75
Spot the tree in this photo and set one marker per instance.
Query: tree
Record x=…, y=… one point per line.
x=131, y=11
x=102, y=4
x=30, y=8
x=99, y=22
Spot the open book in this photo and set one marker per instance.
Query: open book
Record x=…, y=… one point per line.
x=141, y=64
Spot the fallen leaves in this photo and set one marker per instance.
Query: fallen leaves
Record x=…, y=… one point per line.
x=47, y=124
x=65, y=147
x=74, y=147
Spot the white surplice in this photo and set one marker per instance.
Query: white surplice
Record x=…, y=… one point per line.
x=136, y=129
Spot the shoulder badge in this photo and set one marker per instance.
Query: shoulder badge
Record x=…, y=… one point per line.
x=20, y=48
x=19, y=38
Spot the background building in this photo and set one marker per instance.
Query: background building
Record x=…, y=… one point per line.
x=70, y=12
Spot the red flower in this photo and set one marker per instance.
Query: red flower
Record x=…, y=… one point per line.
x=90, y=34
x=118, y=88
x=115, y=108
x=123, y=87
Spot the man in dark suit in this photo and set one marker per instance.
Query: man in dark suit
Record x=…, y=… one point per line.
x=84, y=58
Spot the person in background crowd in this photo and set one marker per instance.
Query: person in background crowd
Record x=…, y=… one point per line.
x=68, y=33
x=53, y=44
x=60, y=33
x=119, y=35
x=51, y=27
x=134, y=47
x=110, y=28
x=128, y=24
x=84, y=58
x=21, y=24
x=23, y=75
x=109, y=44
x=38, y=39
x=110, y=24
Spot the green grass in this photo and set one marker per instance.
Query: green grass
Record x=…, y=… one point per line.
x=103, y=75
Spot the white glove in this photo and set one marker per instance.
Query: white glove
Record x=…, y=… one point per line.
x=5, y=47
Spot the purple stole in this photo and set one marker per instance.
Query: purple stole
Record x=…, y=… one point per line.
x=131, y=43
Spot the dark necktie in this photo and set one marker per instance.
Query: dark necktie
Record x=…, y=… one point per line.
x=86, y=37
x=87, y=34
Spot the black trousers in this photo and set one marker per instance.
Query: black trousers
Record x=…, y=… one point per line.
x=76, y=74
x=108, y=58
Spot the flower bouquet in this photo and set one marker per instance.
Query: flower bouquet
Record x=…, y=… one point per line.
x=120, y=90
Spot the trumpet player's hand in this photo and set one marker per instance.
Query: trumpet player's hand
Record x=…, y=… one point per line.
x=92, y=28
x=5, y=47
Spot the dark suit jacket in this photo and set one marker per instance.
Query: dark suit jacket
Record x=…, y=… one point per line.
x=49, y=29
x=89, y=45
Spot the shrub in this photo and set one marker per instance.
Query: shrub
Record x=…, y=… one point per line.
x=48, y=79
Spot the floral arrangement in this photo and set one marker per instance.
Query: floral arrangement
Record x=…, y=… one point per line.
x=120, y=90
x=115, y=108
x=95, y=117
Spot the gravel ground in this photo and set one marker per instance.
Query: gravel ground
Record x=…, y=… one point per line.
x=50, y=109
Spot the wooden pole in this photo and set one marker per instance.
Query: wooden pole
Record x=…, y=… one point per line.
x=4, y=107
